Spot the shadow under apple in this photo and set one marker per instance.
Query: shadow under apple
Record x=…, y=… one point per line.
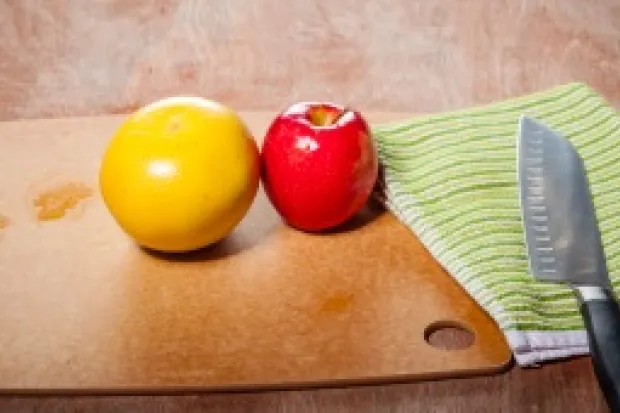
x=369, y=212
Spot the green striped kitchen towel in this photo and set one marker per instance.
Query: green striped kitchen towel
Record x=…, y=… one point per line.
x=451, y=178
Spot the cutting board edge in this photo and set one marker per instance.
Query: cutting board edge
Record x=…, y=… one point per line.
x=329, y=383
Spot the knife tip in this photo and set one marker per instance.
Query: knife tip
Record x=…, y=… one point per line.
x=528, y=124
x=525, y=119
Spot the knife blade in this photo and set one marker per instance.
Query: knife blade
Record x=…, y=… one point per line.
x=563, y=241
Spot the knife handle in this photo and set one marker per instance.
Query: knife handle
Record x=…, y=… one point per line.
x=602, y=320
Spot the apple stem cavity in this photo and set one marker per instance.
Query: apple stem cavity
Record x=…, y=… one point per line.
x=324, y=116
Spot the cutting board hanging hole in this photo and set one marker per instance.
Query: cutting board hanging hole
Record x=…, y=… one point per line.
x=449, y=335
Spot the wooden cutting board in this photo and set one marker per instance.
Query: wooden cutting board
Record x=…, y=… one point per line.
x=83, y=309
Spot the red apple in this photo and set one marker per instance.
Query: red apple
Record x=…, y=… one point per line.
x=319, y=164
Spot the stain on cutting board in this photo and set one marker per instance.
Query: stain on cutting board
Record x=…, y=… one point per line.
x=56, y=202
x=338, y=303
x=4, y=222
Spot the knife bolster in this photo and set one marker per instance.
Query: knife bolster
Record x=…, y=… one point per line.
x=587, y=293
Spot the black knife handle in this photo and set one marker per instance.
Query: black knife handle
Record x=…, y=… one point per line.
x=602, y=321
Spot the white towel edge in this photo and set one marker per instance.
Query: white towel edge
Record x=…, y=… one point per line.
x=533, y=347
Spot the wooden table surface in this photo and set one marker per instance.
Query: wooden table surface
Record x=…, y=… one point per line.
x=62, y=58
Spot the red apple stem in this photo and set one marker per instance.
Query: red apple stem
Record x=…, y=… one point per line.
x=325, y=116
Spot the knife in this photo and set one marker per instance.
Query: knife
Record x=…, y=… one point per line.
x=563, y=241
